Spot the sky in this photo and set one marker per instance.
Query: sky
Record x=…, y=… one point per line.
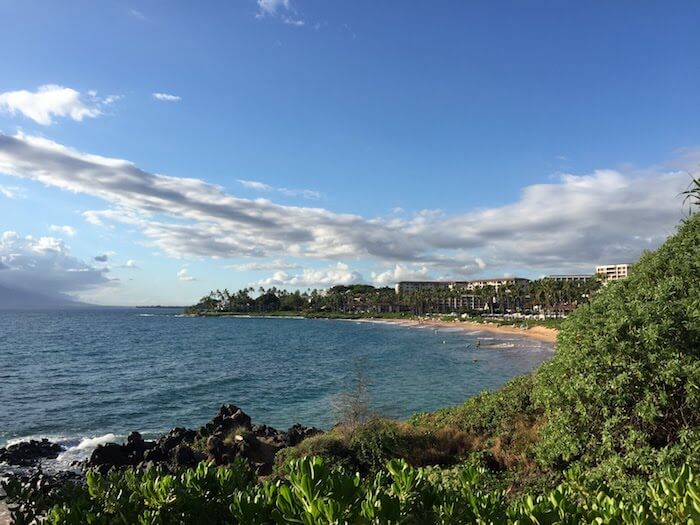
x=151, y=151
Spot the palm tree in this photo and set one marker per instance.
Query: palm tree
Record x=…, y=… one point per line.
x=692, y=194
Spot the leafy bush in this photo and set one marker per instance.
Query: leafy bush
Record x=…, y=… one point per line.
x=314, y=493
x=503, y=424
x=331, y=446
x=366, y=448
x=487, y=414
x=622, y=394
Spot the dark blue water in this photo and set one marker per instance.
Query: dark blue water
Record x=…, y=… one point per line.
x=85, y=373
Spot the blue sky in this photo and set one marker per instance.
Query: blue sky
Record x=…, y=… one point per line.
x=390, y=140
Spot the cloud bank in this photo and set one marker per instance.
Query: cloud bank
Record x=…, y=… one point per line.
x=567, y=225
x=312, y=278
x=45, y=266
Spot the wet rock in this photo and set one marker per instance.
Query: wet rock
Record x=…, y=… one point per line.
x=31, y=495
x=183, y=456
x=230, y=417
x=215, y=448
x=29, y=453
x=229, y=436
x=109, y=455
x=174, y=438
x=265, y=431
x=154, y=455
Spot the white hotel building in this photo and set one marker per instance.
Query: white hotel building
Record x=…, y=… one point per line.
x=613, y=272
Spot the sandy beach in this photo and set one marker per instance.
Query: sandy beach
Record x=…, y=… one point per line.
x=540, y=333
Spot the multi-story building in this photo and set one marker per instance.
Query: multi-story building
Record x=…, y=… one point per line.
x=496, y=283
x=406, y=287
x=464, y=296
x=576, y=278
x=613, y=272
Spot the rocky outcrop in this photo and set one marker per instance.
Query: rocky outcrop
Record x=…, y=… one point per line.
x=228, y=437
x=29, y=453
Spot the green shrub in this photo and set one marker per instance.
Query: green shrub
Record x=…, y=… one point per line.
x=316, y=494
x=488, y=413
x=622, y=394
x=331, y=446
x=366, y=448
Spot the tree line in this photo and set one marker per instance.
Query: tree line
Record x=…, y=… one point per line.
x=548, y=296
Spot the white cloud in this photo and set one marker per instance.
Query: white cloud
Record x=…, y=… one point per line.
x=131, y=264
x=275, y=265
x=310, y=278
x=261, y=186
x=65, y=230
x=281, y=9
x=255, y=185
x=45, y=265
x=12, y=192
x=51, y=101
x=570, y=224
x=137, y=14
x=182, y=276
x=401, y=273
x=272, y=7
x=166, y=97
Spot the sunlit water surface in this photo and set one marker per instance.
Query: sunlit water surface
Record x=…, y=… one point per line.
x=87, y=376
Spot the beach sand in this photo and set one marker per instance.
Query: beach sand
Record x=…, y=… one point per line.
x=540, y=333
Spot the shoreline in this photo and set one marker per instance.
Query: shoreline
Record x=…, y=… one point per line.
x=539, y=333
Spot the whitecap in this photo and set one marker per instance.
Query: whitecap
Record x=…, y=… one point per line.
x=90, y=443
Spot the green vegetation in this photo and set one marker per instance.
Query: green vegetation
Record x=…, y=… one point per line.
x=314, y=493
x=622, y=395
x=367, y=447
x=360, y=300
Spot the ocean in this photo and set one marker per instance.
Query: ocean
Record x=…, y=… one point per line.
x=86, y=376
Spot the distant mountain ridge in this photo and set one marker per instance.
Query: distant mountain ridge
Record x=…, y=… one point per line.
x=15, y=298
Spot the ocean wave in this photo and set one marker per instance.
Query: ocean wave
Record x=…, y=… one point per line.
x=80, y=450
x=90, y=443
x=56, y=438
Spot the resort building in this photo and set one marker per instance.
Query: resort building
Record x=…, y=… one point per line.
x=406, y=287
x=613, y=272
x=496, y=283
x=463, y=294
x=575, y=278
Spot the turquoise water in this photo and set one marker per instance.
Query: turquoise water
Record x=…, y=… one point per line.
x=78, y=374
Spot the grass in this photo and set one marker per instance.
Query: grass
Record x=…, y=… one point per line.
x=367, y=447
